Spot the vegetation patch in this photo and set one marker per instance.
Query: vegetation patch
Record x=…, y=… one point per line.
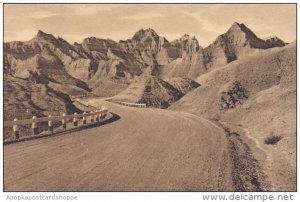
x=273, y=139
x=234, y=96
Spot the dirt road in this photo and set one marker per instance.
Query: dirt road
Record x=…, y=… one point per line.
x=144, y=150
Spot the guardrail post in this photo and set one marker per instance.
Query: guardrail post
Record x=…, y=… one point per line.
x=75, y=119
x=34, y=126
x=92, y=117
x=84, y=118
x=97, y=116
x=63, y=121
x=50, y=126
x=16, y=130
x=100, y=115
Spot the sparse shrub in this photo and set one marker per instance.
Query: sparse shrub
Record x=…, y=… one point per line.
x=234, y=97
x=273, y=139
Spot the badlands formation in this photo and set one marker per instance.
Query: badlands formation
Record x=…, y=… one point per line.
x=244, y=84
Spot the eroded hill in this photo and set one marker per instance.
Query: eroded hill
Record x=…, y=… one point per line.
x=155, y=92
x=106, y=68
x=258, y=94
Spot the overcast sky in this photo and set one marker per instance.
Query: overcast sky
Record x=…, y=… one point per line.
x=117, y=22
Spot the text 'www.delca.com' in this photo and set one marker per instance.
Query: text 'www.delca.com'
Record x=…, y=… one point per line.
x=247, y=197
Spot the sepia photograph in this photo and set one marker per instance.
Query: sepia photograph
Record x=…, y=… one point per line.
x=149, y=97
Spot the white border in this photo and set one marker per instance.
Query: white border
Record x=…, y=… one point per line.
x=129, y=196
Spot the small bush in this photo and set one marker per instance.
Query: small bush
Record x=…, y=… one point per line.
x=234, y=96
x=273, y=139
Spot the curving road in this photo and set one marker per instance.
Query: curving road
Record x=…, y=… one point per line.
x=144, y=150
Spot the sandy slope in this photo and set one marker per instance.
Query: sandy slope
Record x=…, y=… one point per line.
x=145, y=150
x=270, y=108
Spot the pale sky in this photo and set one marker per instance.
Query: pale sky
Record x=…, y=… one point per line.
x=74, y=22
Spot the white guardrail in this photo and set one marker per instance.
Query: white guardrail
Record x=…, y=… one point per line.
x=96, y=115
x=131, y=104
